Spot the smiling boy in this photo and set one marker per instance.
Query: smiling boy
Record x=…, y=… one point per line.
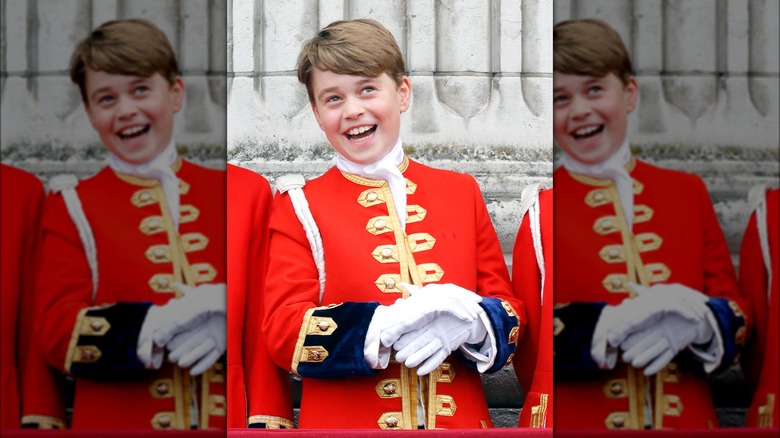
x=374, y=356
x=642, y=270
x=133, y=266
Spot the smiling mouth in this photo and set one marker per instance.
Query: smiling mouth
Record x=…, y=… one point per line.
x=361, y=133
x=587, y=132
x=133, y=132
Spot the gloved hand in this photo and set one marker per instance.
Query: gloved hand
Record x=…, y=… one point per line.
x=178, y=315
x=633, y=315
x=405, y=315
x=654, y=347
x=427, y=347
x=201, y=346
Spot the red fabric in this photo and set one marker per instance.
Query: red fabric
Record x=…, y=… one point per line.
x=533, y=360
x=23, y=368
x=466, y=249
x=264, y=386
x=125, y=275
x=760, y=361
x=692, y=249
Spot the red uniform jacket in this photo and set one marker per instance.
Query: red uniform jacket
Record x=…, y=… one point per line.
x=449, y=238
x=264, y=387
x=29, y=387
x=676, y=238
x=140, y=255
x=534, y=363
x=760, y=361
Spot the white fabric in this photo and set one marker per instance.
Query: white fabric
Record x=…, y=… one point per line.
x=386, y=168
x=614, y=169
x=148, y=353
x=428, y=346
x=66, y=184
x=529, y=203
x=757, y=204
x=158, y=168
x=200, y=348
x=376, y=355
x=293, y=185
x=654, y=347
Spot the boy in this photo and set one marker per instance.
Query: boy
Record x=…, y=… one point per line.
x=642, y=270
x=389, y=227
x=759, y=280
x=532, y=282
x=29, y=386
x=149, y=228
x=255, y=384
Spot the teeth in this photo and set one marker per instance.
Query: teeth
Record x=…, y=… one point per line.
x=132, y=131
x=360, y=130
x=586, y=131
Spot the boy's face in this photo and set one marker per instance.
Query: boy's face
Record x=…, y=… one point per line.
x=133, y=115
x=590, y=114
x=361, y=116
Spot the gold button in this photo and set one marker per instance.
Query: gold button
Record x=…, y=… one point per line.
x=617, y=282
x=96, y=326
x=598, y=196
x=391, y=421
x=86, y=355
x=379, y=224
x=607, y=223
x=159, y=253
x=145, y=196
x=162, y=282
x=386, y=253
x=162, y=388
x=154, y=224
x=314, y=355
x=389, y=283
x=618, y=421
x=372, y=196
x=389, y=389
x=323, y=326
x=616, y=388
x=165, y=421
x=613, y=252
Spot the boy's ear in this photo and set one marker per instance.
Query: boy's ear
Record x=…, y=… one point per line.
x=177, y=94
x=632, y=94
x=316, y=114
x=404, y=93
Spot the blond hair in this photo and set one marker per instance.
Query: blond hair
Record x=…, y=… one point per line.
x=360, y=47
x=133, y=47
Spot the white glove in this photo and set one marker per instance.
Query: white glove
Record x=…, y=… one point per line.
x=162, y=323
x=390, y=322
x=200, y=347
x=429, y=346
x=633, y=315
x=654, y=347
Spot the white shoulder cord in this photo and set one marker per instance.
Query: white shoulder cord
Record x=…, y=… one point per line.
x=529, y=202
x=66, y=184
x=757, y=203
x=293, y=185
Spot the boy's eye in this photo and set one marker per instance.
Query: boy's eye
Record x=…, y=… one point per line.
x=332, y=99
x=105, y=99
x=141, y=89
x=367, y=89
x=559, y=99
x=594, y=89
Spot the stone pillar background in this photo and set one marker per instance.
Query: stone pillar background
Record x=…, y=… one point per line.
x=44, y=127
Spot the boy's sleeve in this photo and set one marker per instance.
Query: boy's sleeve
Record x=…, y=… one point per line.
x=506, y=311
x=76, y=336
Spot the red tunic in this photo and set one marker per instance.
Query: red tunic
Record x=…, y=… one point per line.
x=449, y=238
x=140, y=255
x=264, y=387
x=760, y=361
x=534, y=366
x=676, y=238
x=29, y=387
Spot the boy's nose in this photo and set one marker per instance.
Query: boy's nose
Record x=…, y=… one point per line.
x=579, y=108
x=126, y=108
x=353, y=109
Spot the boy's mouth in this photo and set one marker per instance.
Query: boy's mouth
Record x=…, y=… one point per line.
x=587, y=132
x=133, y=131
x=360, y=133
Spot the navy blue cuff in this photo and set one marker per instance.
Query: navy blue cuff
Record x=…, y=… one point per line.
x=333, y=339
x=506, y=328
x=733, y=330
x=573, y=327
x=107, y=342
